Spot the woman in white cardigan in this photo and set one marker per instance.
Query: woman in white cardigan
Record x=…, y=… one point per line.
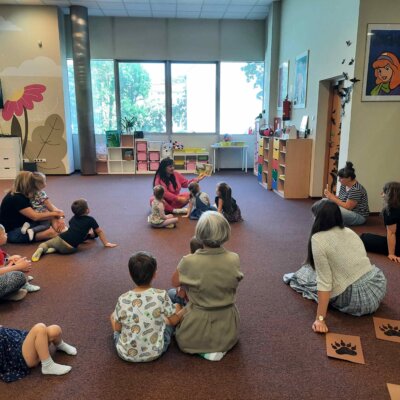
x=338, y=272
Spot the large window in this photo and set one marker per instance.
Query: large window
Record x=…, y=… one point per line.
x=242, y=86
x=193, y=89
x=142, y=93
x=103, y=93
x=192, y=106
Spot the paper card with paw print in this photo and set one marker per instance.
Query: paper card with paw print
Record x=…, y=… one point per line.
x=394, y=391
x=387, y=329
x=344, y=347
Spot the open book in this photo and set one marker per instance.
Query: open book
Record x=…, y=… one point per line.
x=204, y=169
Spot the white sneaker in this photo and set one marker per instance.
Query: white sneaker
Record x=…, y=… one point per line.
x=29, y=278
x=218, y=356
x=31, y=234
x=25, y=227
x=30, y=288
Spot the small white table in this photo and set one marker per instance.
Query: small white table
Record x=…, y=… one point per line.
x=243, y=148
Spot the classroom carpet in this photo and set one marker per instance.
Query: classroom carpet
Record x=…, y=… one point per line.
x=278, y=356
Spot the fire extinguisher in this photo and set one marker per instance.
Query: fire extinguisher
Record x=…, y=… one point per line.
x=287, y=110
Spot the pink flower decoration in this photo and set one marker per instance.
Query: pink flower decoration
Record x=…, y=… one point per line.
x=31, y=93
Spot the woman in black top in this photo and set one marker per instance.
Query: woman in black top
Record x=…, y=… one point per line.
x=389, y=245
x=16, y=209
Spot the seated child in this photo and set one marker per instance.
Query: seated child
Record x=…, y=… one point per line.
x=144, y=317
x=13, y=281
x=40, y=203
x=199, y=202
x=158, y=218
x=181, y=296
x=79, y=226
x=226, y=204
x=21, y=350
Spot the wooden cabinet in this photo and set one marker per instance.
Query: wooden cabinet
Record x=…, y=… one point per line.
x=291, y=166
x=10, y=157
x=267, y=151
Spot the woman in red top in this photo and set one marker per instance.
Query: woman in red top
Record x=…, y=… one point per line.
x=172, y=182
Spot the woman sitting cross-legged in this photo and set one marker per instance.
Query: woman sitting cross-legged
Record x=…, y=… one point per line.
x=210, y=324
x=173, y=181
x=16, y=211
x=352, y=199
x=338, y=273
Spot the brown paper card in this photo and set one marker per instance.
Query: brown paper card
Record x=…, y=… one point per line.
x=387, y=329
x=394, y=391
x=344, y=347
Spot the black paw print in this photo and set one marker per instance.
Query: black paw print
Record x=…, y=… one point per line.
x=390, y=330
x=343, y=348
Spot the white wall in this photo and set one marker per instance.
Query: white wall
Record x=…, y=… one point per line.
x=375, y=126
x=174, y=39
x=322, y=27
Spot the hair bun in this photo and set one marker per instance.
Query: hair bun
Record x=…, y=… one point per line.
x=349, y=165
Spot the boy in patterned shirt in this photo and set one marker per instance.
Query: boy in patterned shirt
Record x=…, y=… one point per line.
x=144, y=318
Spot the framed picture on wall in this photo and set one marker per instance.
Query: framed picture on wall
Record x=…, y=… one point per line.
x=283, y=80
x=300, y=81
x=382, y=63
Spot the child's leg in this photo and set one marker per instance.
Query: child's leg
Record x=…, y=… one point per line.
x=35, y=349
x=168, y=332
x=169, y=221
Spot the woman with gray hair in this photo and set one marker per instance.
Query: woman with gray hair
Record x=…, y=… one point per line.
x=210, y=325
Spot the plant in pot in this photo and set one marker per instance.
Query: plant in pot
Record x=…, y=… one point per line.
x=129, y=124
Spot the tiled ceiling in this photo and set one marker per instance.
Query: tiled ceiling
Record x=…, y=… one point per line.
x=197, y=9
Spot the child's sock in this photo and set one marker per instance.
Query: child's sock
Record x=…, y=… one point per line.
x=49, y=367
x=50, y=250
x=30, y=288
x=25, y=227
x=66, y=348
x=30, y=233
x=37, y=254
x=170, y=226
x=217, y=356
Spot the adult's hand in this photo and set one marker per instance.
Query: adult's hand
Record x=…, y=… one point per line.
x=58, y=224
x=394, y=258
x=319, y=326
x=201, y=177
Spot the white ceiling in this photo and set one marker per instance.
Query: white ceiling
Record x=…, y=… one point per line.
x=197, y=9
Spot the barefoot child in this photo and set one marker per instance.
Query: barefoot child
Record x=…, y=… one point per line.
x=79, y=226
x=144, y=317
x=158, y=218
x=21, y=350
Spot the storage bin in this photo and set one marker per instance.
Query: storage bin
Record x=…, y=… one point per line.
x=154, y=146
x=154, y=165
x=274, y=185
x=141, y=156
x=191, y=166
x=202, y=158
x=142, y=166
x=154, y=155
x=141, y=146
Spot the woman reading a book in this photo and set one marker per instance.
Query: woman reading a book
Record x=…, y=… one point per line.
x=172, y=182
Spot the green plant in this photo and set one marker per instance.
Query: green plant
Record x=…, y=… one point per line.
x=129, y=123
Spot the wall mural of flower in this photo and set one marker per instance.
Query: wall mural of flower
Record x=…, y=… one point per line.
x=20, y=102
